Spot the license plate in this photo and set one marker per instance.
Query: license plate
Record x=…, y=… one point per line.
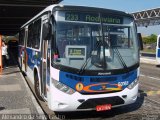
x=103, y=107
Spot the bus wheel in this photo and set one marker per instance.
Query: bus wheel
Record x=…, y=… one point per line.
x=37, y=88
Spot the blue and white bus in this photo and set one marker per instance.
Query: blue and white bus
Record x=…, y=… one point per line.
x=158, y=49
x=81, y=58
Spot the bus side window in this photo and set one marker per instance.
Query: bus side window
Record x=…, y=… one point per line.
x=22, y=37
x=36, y=34
x=30, y=35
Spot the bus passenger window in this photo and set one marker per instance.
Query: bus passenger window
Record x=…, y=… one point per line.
x=30, y=35
x=22, y=37
x=36, y=34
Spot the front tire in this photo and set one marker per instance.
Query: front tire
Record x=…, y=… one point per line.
x=37, y=88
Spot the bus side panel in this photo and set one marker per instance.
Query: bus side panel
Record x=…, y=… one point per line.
x=33, y=60
x=158, y=55
x=158, y=49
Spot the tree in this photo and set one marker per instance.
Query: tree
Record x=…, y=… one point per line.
x=150, y=39
x=153, y=38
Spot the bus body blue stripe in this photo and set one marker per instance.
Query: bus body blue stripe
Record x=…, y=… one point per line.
x=33, y=59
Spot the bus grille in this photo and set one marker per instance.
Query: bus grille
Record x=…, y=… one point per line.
x=103, y=79
x=92, y=103
x=73, y=77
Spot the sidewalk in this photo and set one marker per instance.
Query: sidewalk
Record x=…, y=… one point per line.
x=15, y=96
x=148, y=60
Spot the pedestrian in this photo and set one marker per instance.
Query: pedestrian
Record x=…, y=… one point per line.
x=4, y=55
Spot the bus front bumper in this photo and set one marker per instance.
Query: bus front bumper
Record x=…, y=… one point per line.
x=77, y=102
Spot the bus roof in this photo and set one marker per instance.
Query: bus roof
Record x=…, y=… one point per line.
x=59, y=7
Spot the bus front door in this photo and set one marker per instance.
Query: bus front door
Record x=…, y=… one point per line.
x=158, y=49
x=24, y=55
x=44, y=67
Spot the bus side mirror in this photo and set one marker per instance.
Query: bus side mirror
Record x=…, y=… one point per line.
x=46, y=33
x=140, y=41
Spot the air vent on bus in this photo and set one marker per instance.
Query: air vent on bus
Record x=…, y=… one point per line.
x=73, y=77
x=103, y=79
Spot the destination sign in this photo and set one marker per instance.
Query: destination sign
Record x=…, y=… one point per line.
x=93, y=17
x=76, y=52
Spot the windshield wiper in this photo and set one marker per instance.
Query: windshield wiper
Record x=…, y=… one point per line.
x=88, y=59
x=120, y=57
x=84, y=66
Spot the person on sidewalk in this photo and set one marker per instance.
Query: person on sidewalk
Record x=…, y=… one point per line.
x=4, y=55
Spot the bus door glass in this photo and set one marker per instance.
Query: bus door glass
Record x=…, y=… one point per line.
x=44, y=73
x=24, y=53
x=44, y=66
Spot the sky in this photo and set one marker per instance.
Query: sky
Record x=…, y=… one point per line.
x=129, y=6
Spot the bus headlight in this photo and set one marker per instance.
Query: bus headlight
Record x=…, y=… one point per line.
x=133, y=84
x=62, y=87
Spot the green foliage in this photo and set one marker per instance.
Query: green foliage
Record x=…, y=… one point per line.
x=149, y=39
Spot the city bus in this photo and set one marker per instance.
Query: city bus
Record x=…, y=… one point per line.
x=158, y=49
x=81, y=58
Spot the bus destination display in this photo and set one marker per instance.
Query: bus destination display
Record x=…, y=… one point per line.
x=91, y=17
x=76, y=52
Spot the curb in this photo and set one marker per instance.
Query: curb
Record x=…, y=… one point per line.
x=38, y=108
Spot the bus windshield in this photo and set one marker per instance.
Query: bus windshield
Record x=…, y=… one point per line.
x=95, y=46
